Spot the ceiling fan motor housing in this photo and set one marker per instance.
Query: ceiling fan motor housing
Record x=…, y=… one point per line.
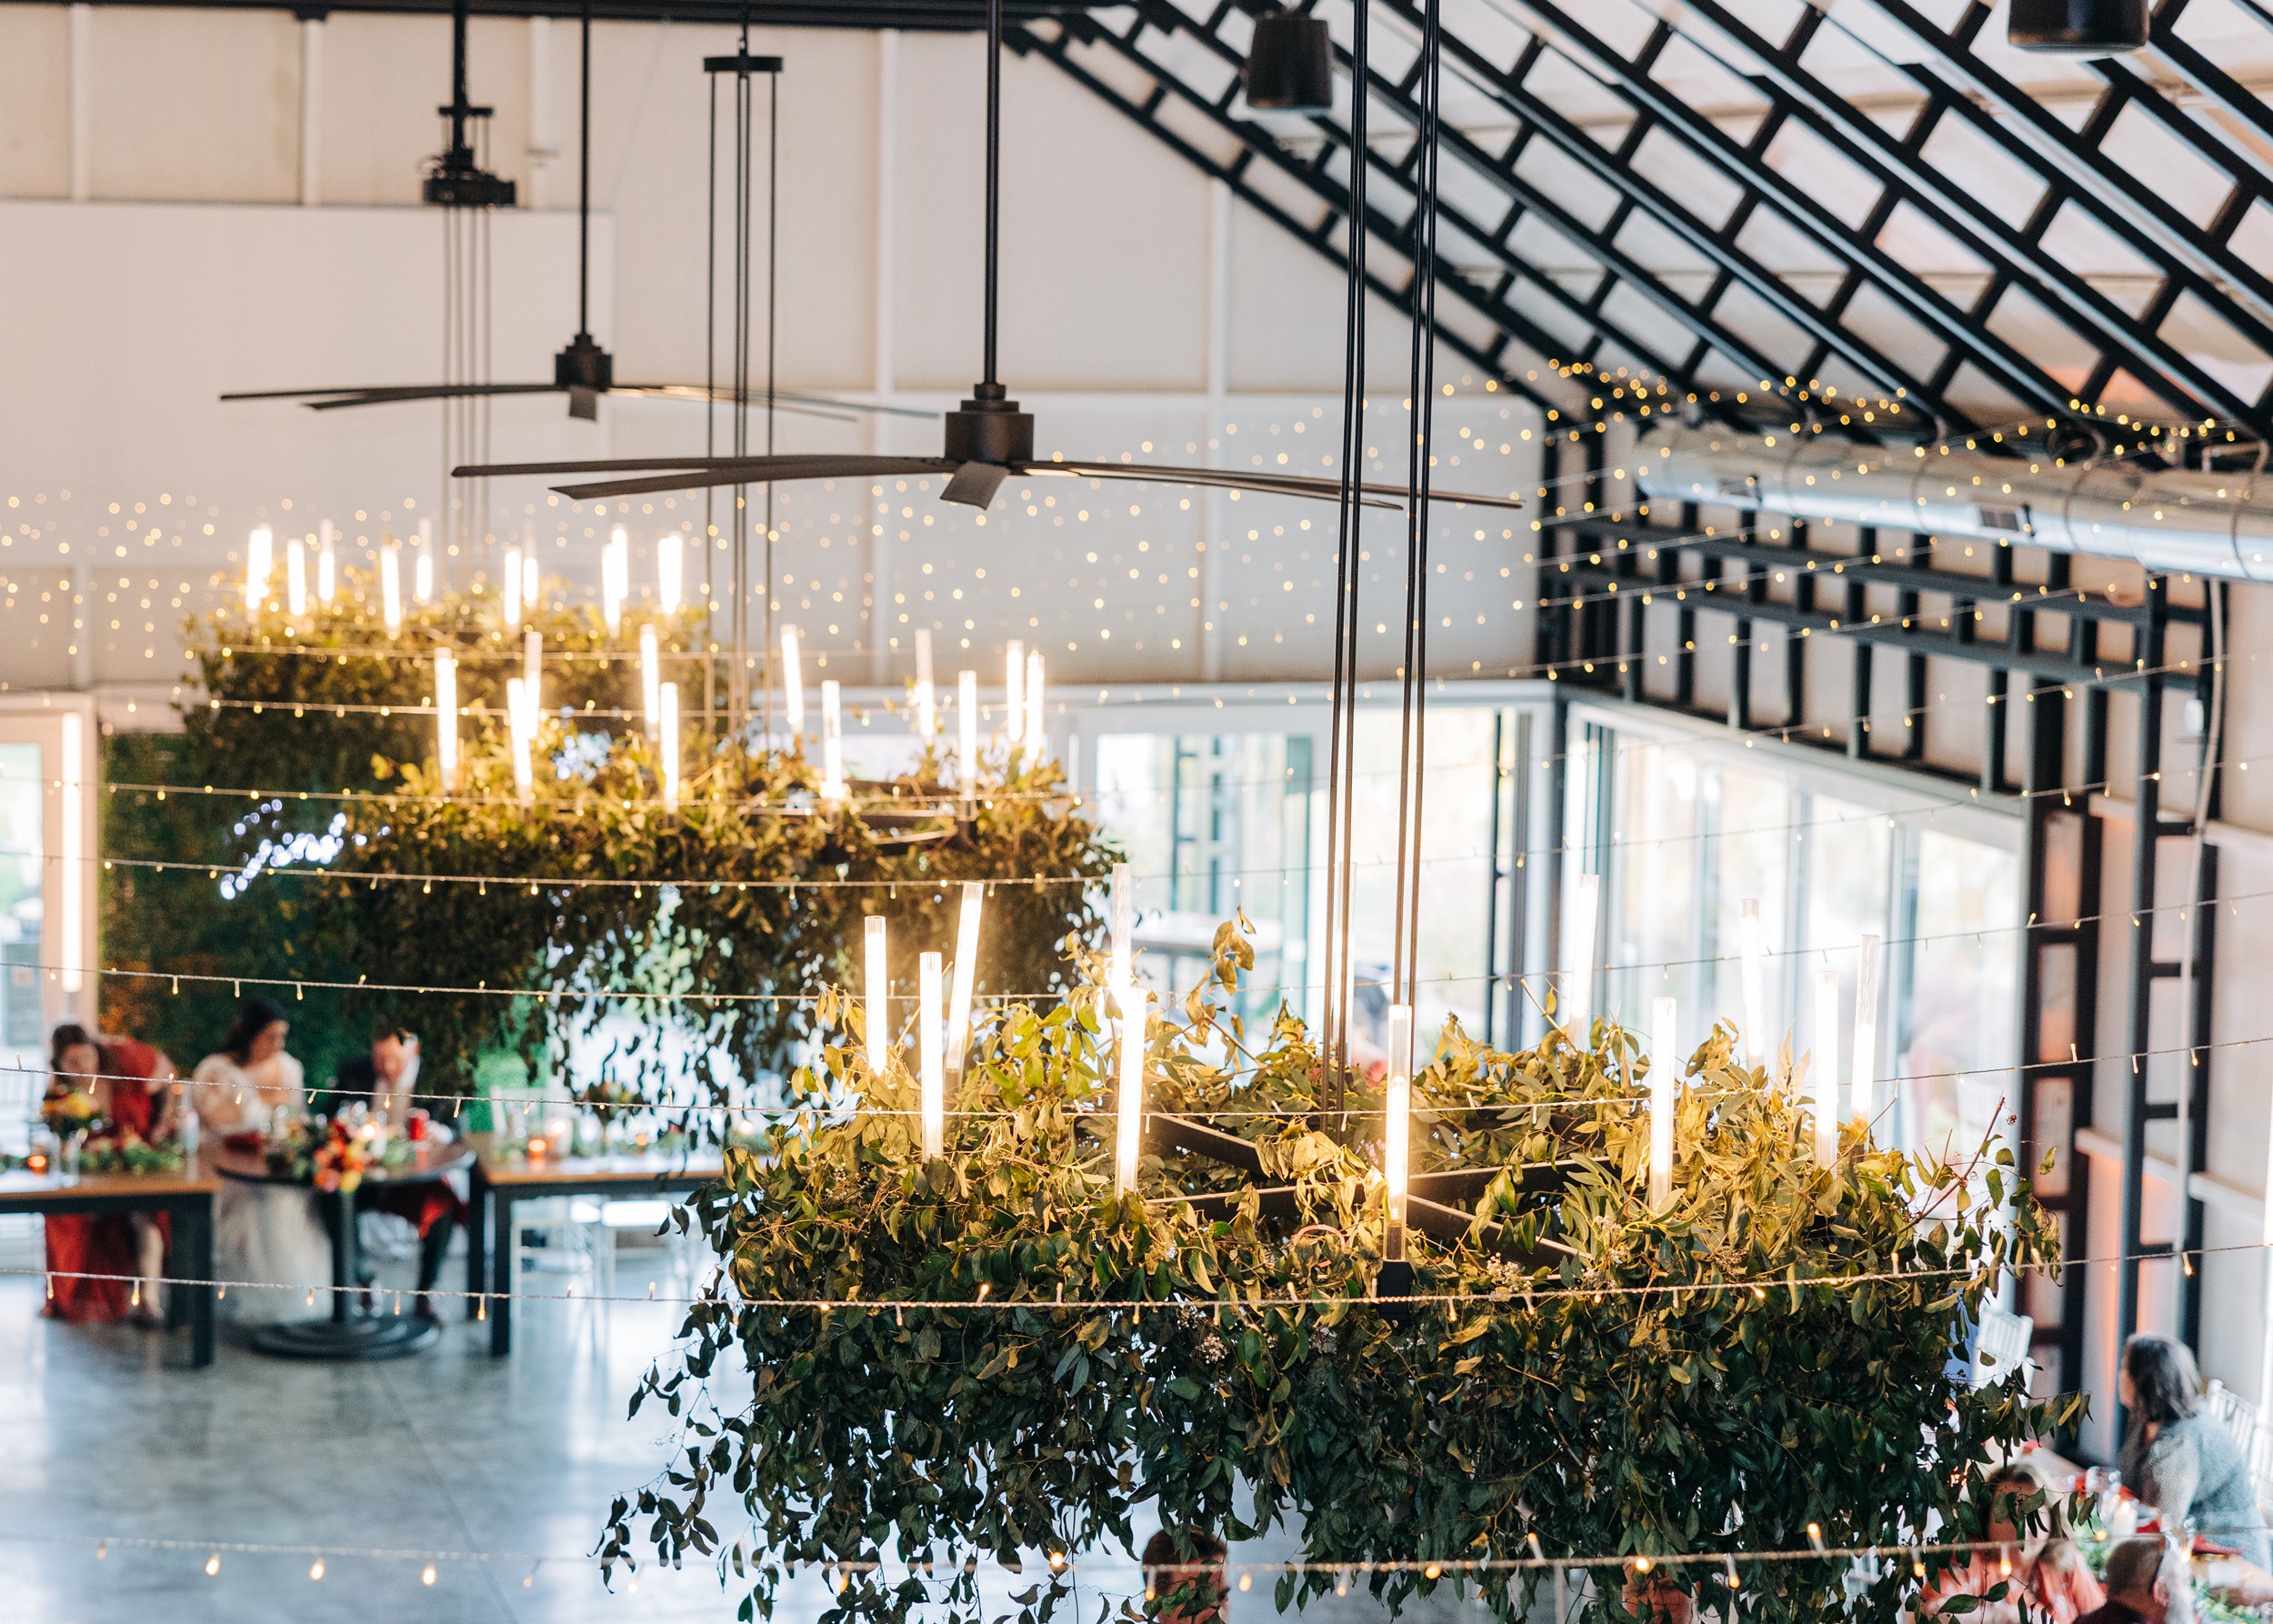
x=2084, y=27
x=584, y=365
x=990, y=428
x=1290, y=65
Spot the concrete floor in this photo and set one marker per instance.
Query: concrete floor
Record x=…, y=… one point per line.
x=109, y=1434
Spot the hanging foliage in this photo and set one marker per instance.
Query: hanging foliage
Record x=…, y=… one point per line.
x=676, y=946
x=1764, y=1352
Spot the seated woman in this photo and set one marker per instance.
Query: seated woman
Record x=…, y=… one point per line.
x=133, y=1088
x=263, y=1234
x=2048, y=1579
x=2178, y=1459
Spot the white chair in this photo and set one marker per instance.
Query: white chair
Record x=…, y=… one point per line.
x=2242, y=1421
x=600, y=1221
x=2001, y=1344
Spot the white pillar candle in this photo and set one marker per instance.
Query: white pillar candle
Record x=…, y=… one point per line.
x=1827, y=1066
x=1579, y=988
x=650, y=678
x=792, y=680
x=391, y=587
x=1129, y=1130
x=1396, y=1129
x=879, y=995
x=1123, y=915
x=1013, y=691
x=933, y=1069
x=519, y=728
x=832, y=744
x=966, y=974
x=1752, y=945
x=927, y=711
x=1665, y=1068
x=445, y=718
x=1862, y=1083
x=258, y=557
x=1036, y=737
x=532, y=578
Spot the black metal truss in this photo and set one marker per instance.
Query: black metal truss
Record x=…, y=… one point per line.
x=953, y=16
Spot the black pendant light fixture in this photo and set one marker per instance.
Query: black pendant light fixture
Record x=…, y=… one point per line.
x=2077, y=27
x=1290, y=64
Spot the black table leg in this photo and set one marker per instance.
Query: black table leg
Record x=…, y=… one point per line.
x=339, y=1218
x=477, y=1242
x=193, y=1260
x=501, y=1279
x=345, y=1334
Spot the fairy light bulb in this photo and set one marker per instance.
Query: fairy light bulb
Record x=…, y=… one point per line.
x=1036, y=739
x=259, y=555
x=933, y=1066
x=1752, y=953
x=966, y=974
x=1862, y=1082
x=832, y=743
x=927, y=713
x=1129, y=1129
x=615, y=577
x=213, y=1563
x=879, y=994
x=1014, y=692
x=421, y=570
x=667, y=718
x=1586, y=922
x=670, y=572
x=1665, y=1064
x=445, y=718
x=316, y=1568
x=513, y=587
x=295, y=577
x=966, y=726
x=327, y=565
x=1123, y=905
x=1826, y=1067
x=1396, y=1129
x=792, y=681
x=650, y=677
x=391, y=587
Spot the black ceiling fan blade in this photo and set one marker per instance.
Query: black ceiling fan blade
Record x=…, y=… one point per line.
x=785, y=399
x=324, y=400
x=1277, y=485
x=795, y=464
x=975, y=484
x=761, y=470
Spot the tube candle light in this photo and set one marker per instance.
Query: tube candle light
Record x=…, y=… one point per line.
x=670, y=572
x=1580, y=991
x=966, y=974
x=792, y=680
x=1013, y=691
x=615, y=577
x=1827, y=1064
x=650, y=678
x=445, y=718
x=532, y=674
x=668, y=714
x=832, y=744
x=879, y=994
x=1862, y=1083
x=927, y=713
x=326, y=565
x=532, y=581
x=967, y=723
x=1124, y=925
x=259, y=556
x=1665, y=1064
x=422, y=566
x=391, y=587
x=1396, y=1129
x=1753, y=948
x=295, y=577
x=934, y=1074
x=513, y=587
x=518, y=729
x=1036, y=737
x=1128, y=1131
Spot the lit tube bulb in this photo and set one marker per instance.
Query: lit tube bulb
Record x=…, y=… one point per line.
x=1665, y=1073
x=1129, y=1127
x=517, y=720
x=966, y=974
x=1013, y=691
x=421, y=569
x=1036, y=739
x=1124, y=901
x=667, y=718
x=650, y=678
x=1578, y=991
x=296, y=577
x=532, y=578
x=966, y=726
x=513, y=587
x=878, y=993
x=445, y=718
x=614, y=577
x=326, y=565
x=670, y=572
x=1396, y=1129
x=1752, y=949
x=1827, y=1066
x=792, y=681
x=832, y=744
x=932, y=1064
x=391, y=586
x=532, y=674
x=1862, y=1083
x=927, y=713
x=259, y=555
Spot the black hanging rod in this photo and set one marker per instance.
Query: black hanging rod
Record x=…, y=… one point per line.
x=938, y=15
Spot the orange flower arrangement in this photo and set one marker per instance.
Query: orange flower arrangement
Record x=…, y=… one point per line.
x=339, y=1161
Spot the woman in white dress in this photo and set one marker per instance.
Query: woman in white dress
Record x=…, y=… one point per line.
x=268, y=1233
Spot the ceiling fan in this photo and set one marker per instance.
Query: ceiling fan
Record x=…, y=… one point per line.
x=988, y=441
x=582, y=371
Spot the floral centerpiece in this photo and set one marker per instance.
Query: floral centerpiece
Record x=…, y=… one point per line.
x=331, y=1154
x=68, y=1110
x=126, y=1151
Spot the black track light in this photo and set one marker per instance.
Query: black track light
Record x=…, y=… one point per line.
x=2078, y=28
x=1290, y=65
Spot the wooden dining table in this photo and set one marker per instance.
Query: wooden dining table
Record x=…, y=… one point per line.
x=186, y=1196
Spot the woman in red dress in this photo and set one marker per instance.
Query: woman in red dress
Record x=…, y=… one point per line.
x=132, y=1084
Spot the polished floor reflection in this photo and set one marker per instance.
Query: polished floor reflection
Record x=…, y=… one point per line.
x=449, y=1454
